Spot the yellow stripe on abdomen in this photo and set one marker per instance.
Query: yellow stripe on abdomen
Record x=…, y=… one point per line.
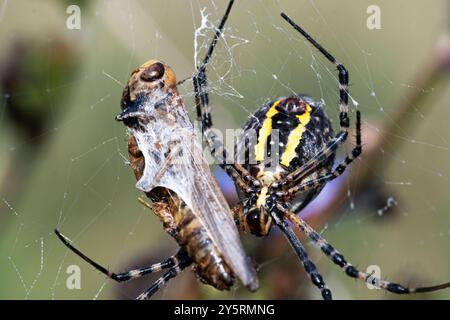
x=295, y=137
x=264, y=132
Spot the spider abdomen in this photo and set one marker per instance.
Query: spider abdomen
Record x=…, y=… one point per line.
x=288, y=132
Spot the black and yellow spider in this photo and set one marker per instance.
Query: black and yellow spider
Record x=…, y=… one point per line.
x=273, y=192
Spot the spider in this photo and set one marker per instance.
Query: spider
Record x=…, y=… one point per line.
x=274, y=192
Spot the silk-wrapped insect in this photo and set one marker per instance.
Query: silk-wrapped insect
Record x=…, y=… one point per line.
x=168, y=162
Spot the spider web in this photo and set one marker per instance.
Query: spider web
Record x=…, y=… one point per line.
x=80, y=181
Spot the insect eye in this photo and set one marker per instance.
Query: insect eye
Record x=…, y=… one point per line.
x=153, y=72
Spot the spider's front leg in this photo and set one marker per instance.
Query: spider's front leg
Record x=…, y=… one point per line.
x=315, y=183
x=238, y=173
x=344, y=122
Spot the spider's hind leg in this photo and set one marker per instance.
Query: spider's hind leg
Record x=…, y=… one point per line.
x=348, y=268
x=308, y=265
x=183, y=262
x=169, y=263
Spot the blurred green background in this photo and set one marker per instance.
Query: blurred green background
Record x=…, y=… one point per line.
x=63, y=156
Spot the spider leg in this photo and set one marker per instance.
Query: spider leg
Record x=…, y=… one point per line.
x=321, y=179
x=129, y=275
x=172, y=273
x=313, y=164
x=309, y=266
x=348, y=268
x=200, y=80
x=161, y=210
x=344, y=121
x=294, y=177
x=356, y=152
x=215, y=144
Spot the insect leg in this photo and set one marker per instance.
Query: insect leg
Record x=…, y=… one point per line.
x=129, y=275
x=161, y=210
x=239, y=218
x=309, y=266
x=125, y=115
x=348, y=268
x=172, y=273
